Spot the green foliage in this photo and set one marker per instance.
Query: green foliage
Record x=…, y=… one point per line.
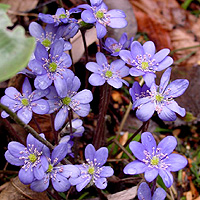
x=196, y=169
x=15, y=48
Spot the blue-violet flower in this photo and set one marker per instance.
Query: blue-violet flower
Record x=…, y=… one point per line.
x=31, y=158
x=154, y=160
x=103, y=72
x=26, y=103
x=58, y=174
x=51, y=68
x=93, y=172
x=144, y=60
x=98, y=13
x=160, y=99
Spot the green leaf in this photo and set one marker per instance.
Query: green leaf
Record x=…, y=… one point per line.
x=15, y=48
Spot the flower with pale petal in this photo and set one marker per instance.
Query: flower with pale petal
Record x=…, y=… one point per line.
x=26, y=103
x=154, y=160
x=93, y=171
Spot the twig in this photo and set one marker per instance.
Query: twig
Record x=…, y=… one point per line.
x=12, y=12
x=184, y=48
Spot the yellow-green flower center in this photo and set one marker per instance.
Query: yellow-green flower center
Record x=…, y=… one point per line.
x=46, y=42
x=52, y=67
x=50, y=168
x=145, y=65
x=66, y=100
x=117, y=50
x=99, y=14
x=24, y=102
x=91, y=170
x=159, y=97
x=32, y=158
x=62, y=16
x=154, y=160
x=109, y=74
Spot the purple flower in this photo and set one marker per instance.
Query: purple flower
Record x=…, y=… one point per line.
x=154, y=160
x=68, y=140
x=144, y=193
x=98, y=13
x=77, y=128
x=160, y=99
x=93, y=171
x=103, y=72
x=51, y=67
x=26, y=103
x=61, y=16
x=58, y=174
x=114, y=47
x=31, y=158
x=144, y=60
x=77, y=101
x=48, y=35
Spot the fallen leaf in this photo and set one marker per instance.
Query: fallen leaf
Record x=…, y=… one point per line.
x=124, y=195
x=16, y=190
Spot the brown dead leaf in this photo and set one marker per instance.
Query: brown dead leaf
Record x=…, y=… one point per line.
x=16, y=190
x=169, y=25
x=198, y=198
x=116, y=96
x=188, y=195
x=20, y=6
x=122, y=140
x=124, y=195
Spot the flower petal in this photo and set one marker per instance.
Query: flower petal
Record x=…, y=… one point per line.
x=136, y=72
x=126, y=56
x=101, y=30
x=84, y=96
x=57, y=48
x=160, y=55
x=38, y=94
x=176, y=108
x=60, y=118
x=40, y=52
x=93, y=67
x=89, y=152
x=167, y=145
x=166, y=114
x=15, y=148
x=101, y=183
x=135, y=167
x=166, y=177
x=60, y=183
x=59, y=153
x=116, y=13
x=101, y=155
x=83, y=111
x=136, y=49
x=176, y=162
x=12, y=93
x=61, y=86
x=149, y=48
x=40, y=106
x=159, y=194
x=148, y=141
x=84, y=183
x=116, y=83
x=106, y=172
x=12, y=159
x=165, y=79
x=101, y=59
x=150, y=174
x=40, y=185
x=36, y=67
x=149, y=78
x=26, y=176
x=164, y=63
x=117, y=22
x=42, y=82
x=25, y=115
x=36, y=30
x=138, y=150
x=96, y=80
x=30, y=140
x=26, y=87
x=176, y=88
x=144, y=192
x=88, y=17
x=145, y=112
x=70, y=171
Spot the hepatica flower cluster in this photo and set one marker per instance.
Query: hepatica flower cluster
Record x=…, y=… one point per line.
x=58, y=94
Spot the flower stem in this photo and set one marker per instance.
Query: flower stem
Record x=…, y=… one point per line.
x=153, y=188
x=99, y=137
x=53, y=129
